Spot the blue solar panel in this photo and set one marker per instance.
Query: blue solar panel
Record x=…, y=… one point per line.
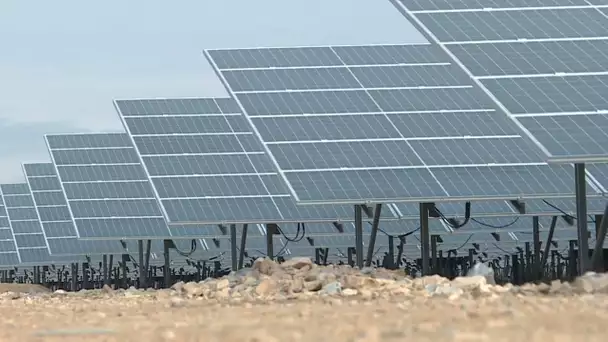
x=546, y=66
x=207, y=166
x=30, y=238
x=554, y=23
x=55, y=216
x=107, y=191
x=9, y=255
x=361, y=133
x=443, y=5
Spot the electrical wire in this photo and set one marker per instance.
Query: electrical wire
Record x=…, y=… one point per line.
x=301, y=229
x=214, y=258
x=453, y=223
x=461, y=246
x=500, y=249
x=496, y=226
x=192, y=249
x=558, y=209
x=400, y=235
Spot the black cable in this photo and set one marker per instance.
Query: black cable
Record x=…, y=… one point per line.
x=279, y=253
x=499, y=248
x=400, y=235
x=558, y=209
x=187, y=254
x=301, y=229
x=461, y=246
x=453, y=222
x=496, y=227
x=219, y=256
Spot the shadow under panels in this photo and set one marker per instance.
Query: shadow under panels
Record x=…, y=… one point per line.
x=388, y=123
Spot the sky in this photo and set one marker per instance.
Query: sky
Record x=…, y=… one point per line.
x=62, y=64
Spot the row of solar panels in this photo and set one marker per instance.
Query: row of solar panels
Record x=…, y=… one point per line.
x=98, y=189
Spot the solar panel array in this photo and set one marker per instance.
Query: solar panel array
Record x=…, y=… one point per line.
x=55, y=217
x=459, y=119
x=383, y=123
x=30, y=239
x=545, y=62
x=207, y=166
x=107, y=190
x=9, y=254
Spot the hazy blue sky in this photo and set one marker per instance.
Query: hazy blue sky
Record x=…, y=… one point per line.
x=63, y=61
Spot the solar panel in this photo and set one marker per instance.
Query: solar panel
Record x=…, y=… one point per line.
x=554, y=23
x=55, y=217
x=442, y=5
x=207, y=166
x=428, y=134
x=107, y=190
x=566, y=136
x=30, y=239
x=528, y=58
x=545, y=66
x=9, y=255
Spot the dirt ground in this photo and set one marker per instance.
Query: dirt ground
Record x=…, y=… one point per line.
x=159, y=316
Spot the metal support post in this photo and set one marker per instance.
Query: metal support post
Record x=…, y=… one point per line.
x=142, y=269
x=425, y=238
x=528, y=260
x=372, y=237
x=74, y=276
x=581, y=213
x=85, y=275
x=104, y=269
x=110, y=266
x=147, y=260
x=359, y=234
x=598, y=252
x=45, y=269
x=125, y=277
x=572, y=259
x=391, y=252
x=270, y=230
x=400, y=249
x=536, y=247
x=434, y=253
x=233, y=251
x=243, y=246
x=167, y=268
x=471, y=258
x=350, y=257
x=543, y=262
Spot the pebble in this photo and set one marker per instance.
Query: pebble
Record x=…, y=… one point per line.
x=301, y=278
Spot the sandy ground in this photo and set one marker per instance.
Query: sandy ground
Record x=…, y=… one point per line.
x=159, y=316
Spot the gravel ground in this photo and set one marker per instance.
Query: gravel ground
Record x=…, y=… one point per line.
x=299, y=301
